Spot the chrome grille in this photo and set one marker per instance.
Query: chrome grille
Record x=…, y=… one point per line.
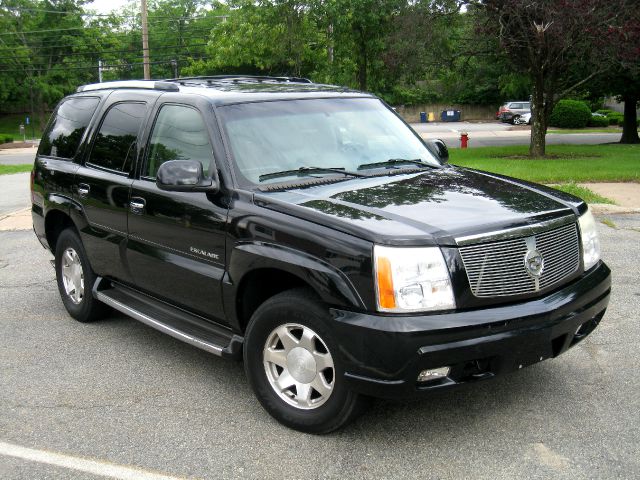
x=498, y=269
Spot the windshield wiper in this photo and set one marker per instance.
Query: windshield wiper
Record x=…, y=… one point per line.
x=394, y=162
x=309, y=170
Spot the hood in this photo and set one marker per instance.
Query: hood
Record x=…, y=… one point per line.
x=429, y=207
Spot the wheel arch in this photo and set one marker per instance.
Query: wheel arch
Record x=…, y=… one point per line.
x=259, y=271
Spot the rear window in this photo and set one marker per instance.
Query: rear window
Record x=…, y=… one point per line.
x=67, y=127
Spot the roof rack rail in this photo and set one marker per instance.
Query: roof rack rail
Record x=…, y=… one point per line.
x=212, y=79
x=144, y=84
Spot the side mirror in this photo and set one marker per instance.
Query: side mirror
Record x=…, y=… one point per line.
x=439, y=149
x=183, y=176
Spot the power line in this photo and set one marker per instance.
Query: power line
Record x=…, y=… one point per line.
x=103, y=52
x=94, y=67
x=108, y=15
x=86, y=27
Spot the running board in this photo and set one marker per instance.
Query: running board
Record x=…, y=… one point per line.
x=173, y=321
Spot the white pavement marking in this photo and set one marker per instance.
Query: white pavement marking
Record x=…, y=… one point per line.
x=95, y=467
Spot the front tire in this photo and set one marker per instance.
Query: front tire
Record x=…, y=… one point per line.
x=75, y=278
x=291, y=361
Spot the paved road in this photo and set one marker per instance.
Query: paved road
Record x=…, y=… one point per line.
x=502, y=134
x=14, y=192
x=117, y=391
x=12, y=158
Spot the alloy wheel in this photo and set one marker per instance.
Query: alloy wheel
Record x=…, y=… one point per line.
x=299, y=366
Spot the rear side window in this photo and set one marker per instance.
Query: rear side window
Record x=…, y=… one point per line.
x=115, y=146
x=179, y=133
x=65, y=131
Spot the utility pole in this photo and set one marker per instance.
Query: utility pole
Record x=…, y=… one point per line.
x=145, y=41
x=174, y=65
x=99, y=71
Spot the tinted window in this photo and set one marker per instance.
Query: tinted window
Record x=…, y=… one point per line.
x=516, y=106
x=178, y=134
x=115, y=143
x=65, y=131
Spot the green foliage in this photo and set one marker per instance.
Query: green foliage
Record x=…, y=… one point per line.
x=570, y=114
x=6, y=139
x=408, y=96
x=615, y=118
x=598, y=122
x=605, y=111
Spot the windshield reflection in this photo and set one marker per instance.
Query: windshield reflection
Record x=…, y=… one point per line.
x=270, y=137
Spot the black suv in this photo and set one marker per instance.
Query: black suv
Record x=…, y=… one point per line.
x=308, y=230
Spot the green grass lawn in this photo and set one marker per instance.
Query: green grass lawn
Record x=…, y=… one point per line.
x=10, y=125
x=585, y=130
x=566, y=163
x=7, y=169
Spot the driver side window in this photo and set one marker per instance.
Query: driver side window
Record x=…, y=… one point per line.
x=179, y=133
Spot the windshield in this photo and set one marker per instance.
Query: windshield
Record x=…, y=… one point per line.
x=298, y=138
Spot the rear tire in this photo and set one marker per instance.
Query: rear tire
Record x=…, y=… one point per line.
x=75, y=279
x=293, y=365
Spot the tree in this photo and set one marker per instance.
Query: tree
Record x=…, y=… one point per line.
x=547, y=39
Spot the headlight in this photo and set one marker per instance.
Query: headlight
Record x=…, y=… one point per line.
x=412, y=279
x=590, y=240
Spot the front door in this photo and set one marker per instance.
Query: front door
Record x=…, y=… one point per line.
x=176, y=245
x=103, y=184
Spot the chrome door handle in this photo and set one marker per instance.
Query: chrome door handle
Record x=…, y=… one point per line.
x=83, y=190
x=136, y=205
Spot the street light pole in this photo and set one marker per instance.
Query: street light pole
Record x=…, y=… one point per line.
x=145, y=41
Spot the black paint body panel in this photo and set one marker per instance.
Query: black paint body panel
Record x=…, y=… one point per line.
x=194, y=250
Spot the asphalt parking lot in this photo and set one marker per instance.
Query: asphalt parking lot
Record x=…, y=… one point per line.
x=118, y=392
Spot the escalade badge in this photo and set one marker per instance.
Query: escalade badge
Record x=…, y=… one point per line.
x=534, y=262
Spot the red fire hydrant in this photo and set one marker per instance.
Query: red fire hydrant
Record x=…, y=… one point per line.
x=464, y=140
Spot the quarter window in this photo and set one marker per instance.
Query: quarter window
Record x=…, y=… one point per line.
x=67, y=127
x=179, y=133
x=115, y=146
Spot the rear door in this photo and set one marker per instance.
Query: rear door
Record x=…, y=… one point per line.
x=104, y=180
x=176, y=247
x=55, y=164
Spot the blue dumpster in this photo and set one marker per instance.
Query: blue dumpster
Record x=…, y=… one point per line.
x=423, y=117
x=450, y=115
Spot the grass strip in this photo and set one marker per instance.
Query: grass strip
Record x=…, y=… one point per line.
x=9, y=169
x=564, y=163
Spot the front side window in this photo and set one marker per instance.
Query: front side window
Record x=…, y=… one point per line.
x=115, y=146
x=67, y=127
x=337, y=133
x=179, y=133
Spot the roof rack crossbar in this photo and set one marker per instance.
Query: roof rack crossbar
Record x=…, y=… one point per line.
x=238, y=78
x=143, y=84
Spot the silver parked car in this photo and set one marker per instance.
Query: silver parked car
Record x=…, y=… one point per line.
x=511, y=111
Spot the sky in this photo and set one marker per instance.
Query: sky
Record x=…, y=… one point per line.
x=105, y=6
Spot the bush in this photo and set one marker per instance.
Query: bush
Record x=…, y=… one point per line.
x=615, y=118
x=570, y=114
x=6, y=139
x=598, y=122
x=605, y=112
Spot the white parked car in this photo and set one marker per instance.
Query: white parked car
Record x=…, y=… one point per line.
x=524, y=119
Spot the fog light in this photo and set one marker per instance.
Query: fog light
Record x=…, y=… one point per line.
x=433, y=374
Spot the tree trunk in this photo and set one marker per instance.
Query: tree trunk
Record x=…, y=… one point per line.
x=540, y=115
x=630, y=125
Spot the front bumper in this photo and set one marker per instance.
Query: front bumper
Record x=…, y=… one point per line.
x=383, y=354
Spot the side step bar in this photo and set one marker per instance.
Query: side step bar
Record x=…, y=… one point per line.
x=173, y=321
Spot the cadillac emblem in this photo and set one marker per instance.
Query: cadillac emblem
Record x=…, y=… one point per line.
x=534, y=263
